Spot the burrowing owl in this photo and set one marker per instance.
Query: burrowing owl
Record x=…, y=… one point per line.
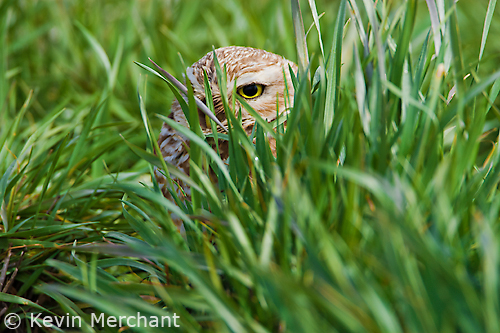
x=260, y=79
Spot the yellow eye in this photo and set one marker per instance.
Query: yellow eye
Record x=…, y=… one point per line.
x=251, y=91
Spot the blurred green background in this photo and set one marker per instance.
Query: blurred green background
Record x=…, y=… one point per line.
x=43, y=48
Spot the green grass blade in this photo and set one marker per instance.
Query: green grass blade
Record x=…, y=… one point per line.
x=333, y=79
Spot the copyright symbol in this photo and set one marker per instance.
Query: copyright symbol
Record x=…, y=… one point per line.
x=12, y=321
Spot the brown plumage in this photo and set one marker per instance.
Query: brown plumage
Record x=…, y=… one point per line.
x=250, y=68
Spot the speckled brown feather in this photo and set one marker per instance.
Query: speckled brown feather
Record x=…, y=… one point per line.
x=244, y=65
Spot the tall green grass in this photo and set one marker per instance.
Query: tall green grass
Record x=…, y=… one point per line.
x=379, y=213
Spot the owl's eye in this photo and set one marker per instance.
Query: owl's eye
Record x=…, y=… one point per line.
x=251, y=91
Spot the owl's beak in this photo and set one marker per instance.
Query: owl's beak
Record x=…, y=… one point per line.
x=184, y=91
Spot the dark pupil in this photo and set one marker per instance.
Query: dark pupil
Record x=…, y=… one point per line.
x=250, y=90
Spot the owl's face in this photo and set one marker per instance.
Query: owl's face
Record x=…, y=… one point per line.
x=261, y=78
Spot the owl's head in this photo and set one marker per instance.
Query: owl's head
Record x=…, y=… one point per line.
x=262, y=78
